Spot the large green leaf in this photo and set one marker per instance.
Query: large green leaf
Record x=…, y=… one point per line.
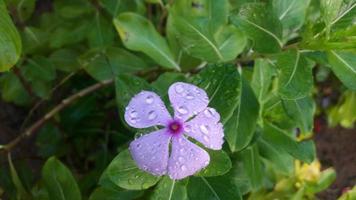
x=261, y=79
x=123, y=172
x=138, y=34
x=59, y=181
x=240, y=127
x=220, y=164
x=10, y=41
x=281, y=139
x=222, y=84
x=283, y=162
x=253, y=166
x=65, y=60
x=302, y=112
x=291, y=12
x=102, y=34
x=102, y=193
x=330, y=10
x=295, y=78
x=103, y=64
x=343, y=64
x=217, y=188
x=261, y=25
x=169, y=189
x=200, y=27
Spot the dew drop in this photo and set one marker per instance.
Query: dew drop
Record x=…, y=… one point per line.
x=182, y=151
x=183, y=168
x=204, y=129
x=133, y=114
x=152, y=115
x=209, y=113
x=206, y=138
x=138, y=145
x=134, y=120
x=182, y=110
x=188, y=128
x=206, y=162
x=189, y=96
x=149, y=99
x=181, y=159
x=179, y=88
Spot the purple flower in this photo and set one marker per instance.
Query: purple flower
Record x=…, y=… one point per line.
x=192, y=118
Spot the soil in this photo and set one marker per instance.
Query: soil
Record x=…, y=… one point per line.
x=336, y=148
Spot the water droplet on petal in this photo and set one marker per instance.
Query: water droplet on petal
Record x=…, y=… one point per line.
x=182, y=151
x=206, y=138
x=138, y=145
x=182, y=110
x=206, y=162
x=189, y=96
x=188, y=128
x=149, y=99
x=209, y=113
x=204, y=129
x=152, y=115
x=133, y=114
x=179, y=88
x=181, y=159
x=183, y=168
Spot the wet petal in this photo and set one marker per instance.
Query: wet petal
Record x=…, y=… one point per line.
x=186, y=158
x=187, y=100
x=146, y=109
x=151, y=151
x=206, y=128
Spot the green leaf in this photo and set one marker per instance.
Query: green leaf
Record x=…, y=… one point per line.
x=65, y=60
x=102, y=34
x=220, y=164
x=138, y=34
x=253, y=166
x=344, y=112
x=219, y=188
x=165, y=80
x=123, y=172
x=280, y=159
x=169, y=189
x=261, y=79
x=59, y=181
x=343, y=64
x=115, y=7
x=201, y=30
x=240, y=127
x=231, y=42
x=261, y=25
x=10, y=41
x=34, y=40
x=23, y=8
x=327, y=177
x=281, y=139
x=21, y=191
x=38, y=68
x=222, y=84
x=295, y=78
x=291, y=13
x=302, y=112
x=104, y=64
x=12, y=89
x=102, y=193
x=329, y=10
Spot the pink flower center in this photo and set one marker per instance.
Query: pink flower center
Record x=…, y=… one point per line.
x=175, y=127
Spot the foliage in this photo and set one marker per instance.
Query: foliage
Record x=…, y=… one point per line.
x=255, y=59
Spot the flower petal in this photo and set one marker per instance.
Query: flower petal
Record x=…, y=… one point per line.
x=146, y=109
x=206, y=128
x=151, y=151
x=187, y=100
x=186, y=158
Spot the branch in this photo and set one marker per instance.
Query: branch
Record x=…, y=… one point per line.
x=65, y=102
